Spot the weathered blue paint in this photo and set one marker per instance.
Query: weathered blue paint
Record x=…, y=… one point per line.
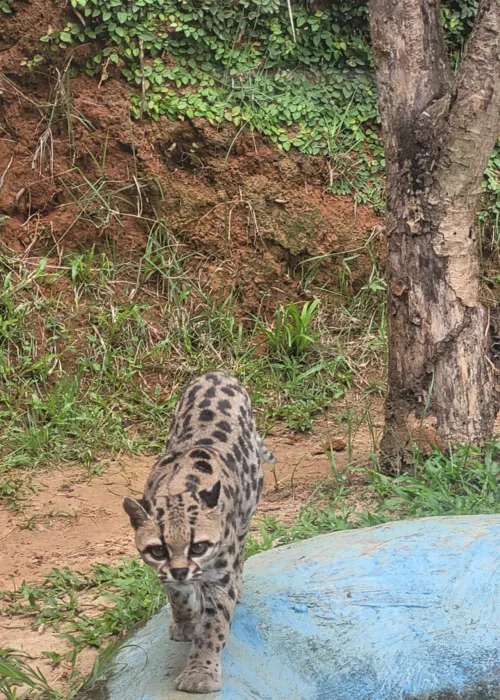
x=397, y=612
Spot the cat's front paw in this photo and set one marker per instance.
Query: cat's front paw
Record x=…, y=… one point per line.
x=198, y=680
x=181, y=631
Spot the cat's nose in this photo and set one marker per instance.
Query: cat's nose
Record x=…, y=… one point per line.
x=180, y=574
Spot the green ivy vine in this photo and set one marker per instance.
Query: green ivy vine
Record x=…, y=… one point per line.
x=311, y=87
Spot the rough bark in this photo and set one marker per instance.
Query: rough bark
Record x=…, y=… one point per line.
x=439, y=130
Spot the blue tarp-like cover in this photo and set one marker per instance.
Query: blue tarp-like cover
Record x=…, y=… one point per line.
x=404, y=611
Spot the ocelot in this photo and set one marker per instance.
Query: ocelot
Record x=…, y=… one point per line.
x=193, y=520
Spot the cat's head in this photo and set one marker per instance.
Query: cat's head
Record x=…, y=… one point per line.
x=178, y=524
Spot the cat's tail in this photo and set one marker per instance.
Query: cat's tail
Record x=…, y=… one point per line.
x=265, y=454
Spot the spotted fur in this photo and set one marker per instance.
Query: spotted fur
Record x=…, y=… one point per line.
x=192, y=523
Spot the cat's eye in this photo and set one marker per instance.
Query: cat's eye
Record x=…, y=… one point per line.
x=157, y=552
x=198, y=548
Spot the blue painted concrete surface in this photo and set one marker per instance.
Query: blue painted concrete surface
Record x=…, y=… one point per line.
x=396, y=612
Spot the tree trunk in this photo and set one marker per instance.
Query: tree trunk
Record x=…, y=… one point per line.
x=439, y=130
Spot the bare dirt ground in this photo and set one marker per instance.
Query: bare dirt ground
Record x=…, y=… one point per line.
x=75, y=521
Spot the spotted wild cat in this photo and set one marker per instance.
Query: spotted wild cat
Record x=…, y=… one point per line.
x=192, y=523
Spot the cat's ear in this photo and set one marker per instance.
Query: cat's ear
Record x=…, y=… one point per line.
x=210, y=497
x=137, y=510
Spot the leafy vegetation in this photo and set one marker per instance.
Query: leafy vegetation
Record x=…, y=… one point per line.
x=301, y=74
x=463, y=482
x=65, y=602
x=92, y=610
x=6, y=6
x=292, y=334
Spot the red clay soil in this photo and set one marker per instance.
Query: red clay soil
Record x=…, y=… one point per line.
x=249, y=212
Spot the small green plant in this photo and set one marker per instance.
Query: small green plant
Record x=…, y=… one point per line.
x=33, y=62
x=7, y=6
x=81, y=267
x=489, y=216
x=293, y=334
x=16, y=672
